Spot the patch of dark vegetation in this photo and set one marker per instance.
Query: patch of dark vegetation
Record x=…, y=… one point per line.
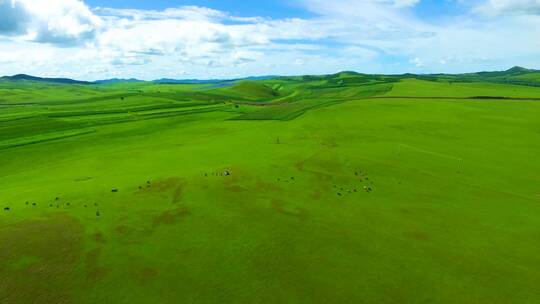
x=170, y=217
x=94, y=272
x=52, y=246
x=285, y=209
x=83, y=179
x=177, y=195
x=99, y=237
x=145, y=275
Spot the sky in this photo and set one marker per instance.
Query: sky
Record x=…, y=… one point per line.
x=208, y=39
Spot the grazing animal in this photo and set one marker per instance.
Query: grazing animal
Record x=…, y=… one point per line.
x=97, y=213
x=114, y=190
x=292, y=177
x=7, y=209
x=226, y=173
x=34, y=204
x=57, y=198
x=339, y=194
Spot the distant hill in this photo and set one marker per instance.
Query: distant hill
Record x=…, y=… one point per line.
x=117, y=80
x=209, y=81
x=24, y=77
x=516, y=75
x=184, y=81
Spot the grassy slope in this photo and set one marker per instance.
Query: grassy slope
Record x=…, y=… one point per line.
x=453, y=217
x=422, y=88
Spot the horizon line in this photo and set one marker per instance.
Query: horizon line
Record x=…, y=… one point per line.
x=224, y=79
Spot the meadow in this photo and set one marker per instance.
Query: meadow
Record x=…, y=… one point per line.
x=345, y=188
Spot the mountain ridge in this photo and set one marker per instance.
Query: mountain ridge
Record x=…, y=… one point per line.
x=514, y=71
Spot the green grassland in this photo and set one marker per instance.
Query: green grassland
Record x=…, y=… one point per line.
x=345, y=188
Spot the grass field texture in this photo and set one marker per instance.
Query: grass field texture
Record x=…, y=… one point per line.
x=346, y=188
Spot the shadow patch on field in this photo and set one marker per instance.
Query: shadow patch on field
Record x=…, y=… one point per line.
x=52, y=247
x=94, y=272
x=163, y=185
x=173, y=187
x=170, y=217
x=82, y=179
x=232, y=182
x=283, y=208
x=266, y=187
x=236, y=188
x=145, y=275
x=177, y=195
x=418, y=235
x=129, y=235
x=99, y=237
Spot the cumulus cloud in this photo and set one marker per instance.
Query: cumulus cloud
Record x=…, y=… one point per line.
x=13, y=17
x=67, y=38
x=51, y=21
x=185, y=13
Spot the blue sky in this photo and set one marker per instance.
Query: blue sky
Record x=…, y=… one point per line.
x=273, y=9
x=96, y=39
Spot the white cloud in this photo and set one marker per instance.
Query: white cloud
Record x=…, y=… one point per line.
x=51, y=21
x=13, y=17
x=417, y=62
x=185, y=13
x=67, y=38
x=499, y=7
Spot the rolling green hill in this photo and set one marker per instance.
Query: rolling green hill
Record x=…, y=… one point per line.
x=343, y=188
